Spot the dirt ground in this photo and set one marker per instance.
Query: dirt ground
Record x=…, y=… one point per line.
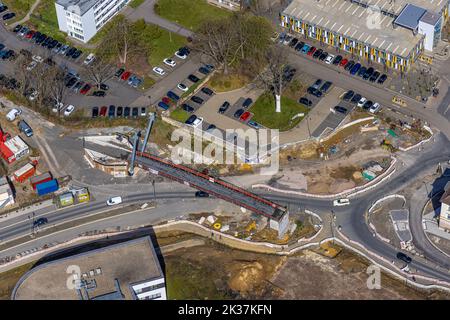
x=441, y=243
x=381, y=219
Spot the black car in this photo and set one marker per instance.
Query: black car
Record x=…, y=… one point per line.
x=315, y=92
x=69, y=52
x=201, y=194
x=173, y=96
x=207, y=91
x=299, y=46
x=77, y=54
x=211, y=127
x=317, y=84
x=191, y=119
x=112, y=111
x=368, y=73
x=135, y=112
x=17, y=28
x=9, y=55
x=197, y=99
x=382, y=79
x=356, y=98
x=323, y=56
x=403, y=257
x=39, y=222
x=3, y=8
x=9, y=16
x=374, y=76
x=293, y=42
x=349, y=65
x=36, y=35
x=326, y=86
x=193, y=78
x=317, y=53
x=187, y=108
x=52, y=44
x=104, y=87
x=41, y=39
x=94, y=112
x=99, y=93
x=337, y=60
x=119, y=111
x=348, y=95
x=119, y=72
x=71, y=82
x=305, y=101
x=238, y=113
x=367, y=105
x=126, y=112
x=247, y=103
x=340, y=109
x=203, y=70
x=224, y=107
x=362, y=71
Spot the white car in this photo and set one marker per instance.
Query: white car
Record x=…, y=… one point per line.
x=58, y=106
x=329, y=59
x=341, y=202
x=182, y=87
x=362, y=102
x=113, y=201
x=159, y=71
x=70, y=108
x=375, y=108
x=32, y=65
x=33, y=95
x=89, y=59
x=13, y=114
x=197, y=122
x=181, y=56
x=37, y=58
x=170, y=62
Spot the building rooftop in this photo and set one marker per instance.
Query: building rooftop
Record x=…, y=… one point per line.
x=410, y=17
x=16, y=144
x=396, y=6
x=430, y=18
x=107, y=273
x=79, y=7
x=354, y=21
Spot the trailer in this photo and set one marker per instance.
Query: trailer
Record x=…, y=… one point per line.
x=24, y=173
x=47, y=187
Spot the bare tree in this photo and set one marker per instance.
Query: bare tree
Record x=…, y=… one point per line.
x=57, y=87
x=99, y=72
x=22, y=73
x=273, y=76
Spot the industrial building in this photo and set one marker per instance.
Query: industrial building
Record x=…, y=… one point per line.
x=391, y=33
x=82, y=19
x=127, y=270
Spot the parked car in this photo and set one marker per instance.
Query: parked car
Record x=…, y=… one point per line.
x=99, y=93
x=13, y=114
x=25, y=128
x=356, y=98
x=187, y=108
x=126, y=112
x=323, y=56
x=306, y=48
x=169, y=62
x=238, y=113
x=337, y=60
x=247, y=103
x=85, y=88
x=368, y=105
x=17, y=28
x=317, y=83
x=329, y=59
x=374, y=76
x=166, y=100
x=299, y=46
x=119, y=72
x=3, y=8
x=305, y=101
x=182, y=87
x=104, y=87
x=201, y=194
x=103, y=111
x=112, y=111
x=77, y=54
x=135, y=112
x=204, y=70
x=315, y=92
x=194, y=121
x=349, y=65
x=368, y=73
x=403, y=257
x=317, y=53
x=293, y=42
x=254, y=124
x=311, y=51
x=94, y=112
x=163, y=105
x=343, y=63
x=224, y=107
x=197, y=99
x=125, y=75
x=361, y=71
x=173, y=96
x=9, y=16
x=375, y=108
x=326, y=86
x=193, y=78
x=361, y=102
x=182, y=53
x=119, y=112
x=207, y=91
x=355, y=69
x=348, y=95
x=89, y=59
x=114, y=201
x=245, y=116
x=70, y=108
x=341, y=109
x=382, y=79
x=159, y=71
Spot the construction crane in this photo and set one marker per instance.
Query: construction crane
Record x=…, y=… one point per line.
x=135, y=141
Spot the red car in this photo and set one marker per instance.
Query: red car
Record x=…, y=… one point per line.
x=166, y=100
x=311, y=51
x=30, y=34
x=343, y=62
x=85, y=88
x=125, y=75
x=103, y=111
x=245, y=116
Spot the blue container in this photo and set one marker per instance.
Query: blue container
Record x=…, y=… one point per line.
x=47, y=187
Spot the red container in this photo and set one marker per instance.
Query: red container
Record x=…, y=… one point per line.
x=40, y=179
x=25, y=172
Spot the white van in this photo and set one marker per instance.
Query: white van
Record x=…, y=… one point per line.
x=113, y=201
x=341, y=202
x=13, y=114
x=89, y=59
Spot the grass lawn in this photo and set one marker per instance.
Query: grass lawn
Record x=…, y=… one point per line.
x=264, y=112
x=223, y=83
x=19, y=7
x=147, y=83
x=188, y=13
x=9, y=279
x=136, y=3
x=179, y=115
x=164, y=46
x=44, y=19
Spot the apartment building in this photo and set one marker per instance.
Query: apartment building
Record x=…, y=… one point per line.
x=392, y=33
x=82, y=19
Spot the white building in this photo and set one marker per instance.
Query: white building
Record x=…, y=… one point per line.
x=81, y=19
x=6, y=194
x=444, y=217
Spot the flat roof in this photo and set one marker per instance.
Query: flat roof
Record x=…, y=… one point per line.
x=430, y=18
x=121, y=264
x=410, y=16
x=396, y=6
x=350, y=20
x=16, y=145
x=83, y=5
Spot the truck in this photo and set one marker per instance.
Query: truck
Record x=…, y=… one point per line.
x=25, y=128
x=44, y=177
x=47, y=187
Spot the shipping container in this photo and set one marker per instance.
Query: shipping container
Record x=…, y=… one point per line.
x=83, y=195
x=44, y=177
x=24, y=173
x=65, y=199
x=47, y=187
